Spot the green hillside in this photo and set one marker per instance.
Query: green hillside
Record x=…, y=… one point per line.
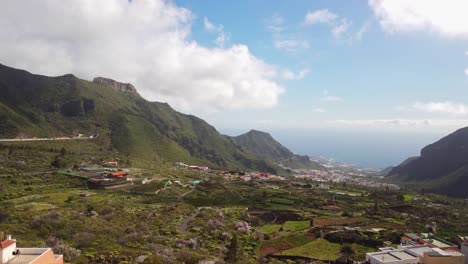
x=265, y=146
x=42, y=106
x=442, y=166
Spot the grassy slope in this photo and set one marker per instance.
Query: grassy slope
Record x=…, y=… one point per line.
x=441, y=168
x=265, y=146
x=31, y=104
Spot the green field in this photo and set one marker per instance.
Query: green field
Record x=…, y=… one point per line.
x=408, y=197
x=319, y=249
x=269, y=228
x=296, y=225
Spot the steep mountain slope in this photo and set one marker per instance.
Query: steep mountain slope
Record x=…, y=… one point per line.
x=51, y=106
x=441, y=168
x=265, y=146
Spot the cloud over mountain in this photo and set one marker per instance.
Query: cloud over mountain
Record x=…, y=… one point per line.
x=146, y=43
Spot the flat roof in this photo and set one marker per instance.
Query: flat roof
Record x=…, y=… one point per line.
x=439, y=242
x=402, y=255
x=384, y=257
x=23, y=259
x=418, y=250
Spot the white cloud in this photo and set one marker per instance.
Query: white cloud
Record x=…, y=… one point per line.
x=222, y=37
x=466, y=71
x=318, y=110
x=265, y=122
x=447, y=17
x=446, y=107
x=320, y=16
x=143, y=42
x=208, y=25
x=362, y=30
x=330, y=98
x=341, y=28
x=401, y=122
x=291, y=44
x=290, y=75
x=275, y=23
x=466, y=52
x=283, y=41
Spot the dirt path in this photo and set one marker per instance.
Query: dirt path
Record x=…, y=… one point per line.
x=183, y=227
x=187, y=193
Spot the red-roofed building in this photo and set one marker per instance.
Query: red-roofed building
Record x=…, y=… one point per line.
x=119, y=174
x=110, y=163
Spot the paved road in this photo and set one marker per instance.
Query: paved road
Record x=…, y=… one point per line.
x=42, y=139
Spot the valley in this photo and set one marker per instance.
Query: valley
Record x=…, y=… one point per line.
x=194, y=216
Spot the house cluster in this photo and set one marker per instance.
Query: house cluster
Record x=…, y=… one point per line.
x=107, y=179
x=181, y=165
x=108, y=176
x=258, y=176
x=421, y=249
x=340, y=176
x=11, y=254
x=23, y=136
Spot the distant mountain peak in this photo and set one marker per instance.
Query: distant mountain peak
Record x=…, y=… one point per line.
x=265, y=146
x=118, y=86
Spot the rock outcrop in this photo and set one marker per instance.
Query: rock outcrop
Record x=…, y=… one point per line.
x=118, y=86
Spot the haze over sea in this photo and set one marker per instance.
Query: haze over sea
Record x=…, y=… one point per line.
x=362, y=148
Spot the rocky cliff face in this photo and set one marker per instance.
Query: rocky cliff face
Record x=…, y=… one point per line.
x=78, y=107
x=118, y=86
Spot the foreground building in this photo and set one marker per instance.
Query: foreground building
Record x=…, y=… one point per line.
x=421, y=254
x=10, y=254
x=463, y=241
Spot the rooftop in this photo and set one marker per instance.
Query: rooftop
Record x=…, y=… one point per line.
x=418, y=250
x=384, y=257
x=402, y=255
x=7, y=243
x=436, y=252
x=27, y=255
x=439, y=242
x=23, y=259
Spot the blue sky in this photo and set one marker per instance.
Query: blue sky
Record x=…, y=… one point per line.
x=324, y=77
x=368, y=72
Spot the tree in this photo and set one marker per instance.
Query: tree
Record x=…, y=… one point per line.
x=231, y=256
x=10, y=150
x=347, y=251
x=58, y=162
x=63, y=152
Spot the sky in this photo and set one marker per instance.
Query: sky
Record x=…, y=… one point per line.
x=368, y=82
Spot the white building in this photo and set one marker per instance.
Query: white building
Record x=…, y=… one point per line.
x=464, y=251
x=10, y=254
x=396, y=256
x=415, y=255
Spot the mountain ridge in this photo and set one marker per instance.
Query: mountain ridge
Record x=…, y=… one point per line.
x=265, y=146
x=50, y=106
x=442, y=166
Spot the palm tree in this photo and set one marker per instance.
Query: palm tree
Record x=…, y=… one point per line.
x=347, y=251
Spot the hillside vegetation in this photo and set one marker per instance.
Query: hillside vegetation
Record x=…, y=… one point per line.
x=41, y=106
x=266, y=147
x=442, y=166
